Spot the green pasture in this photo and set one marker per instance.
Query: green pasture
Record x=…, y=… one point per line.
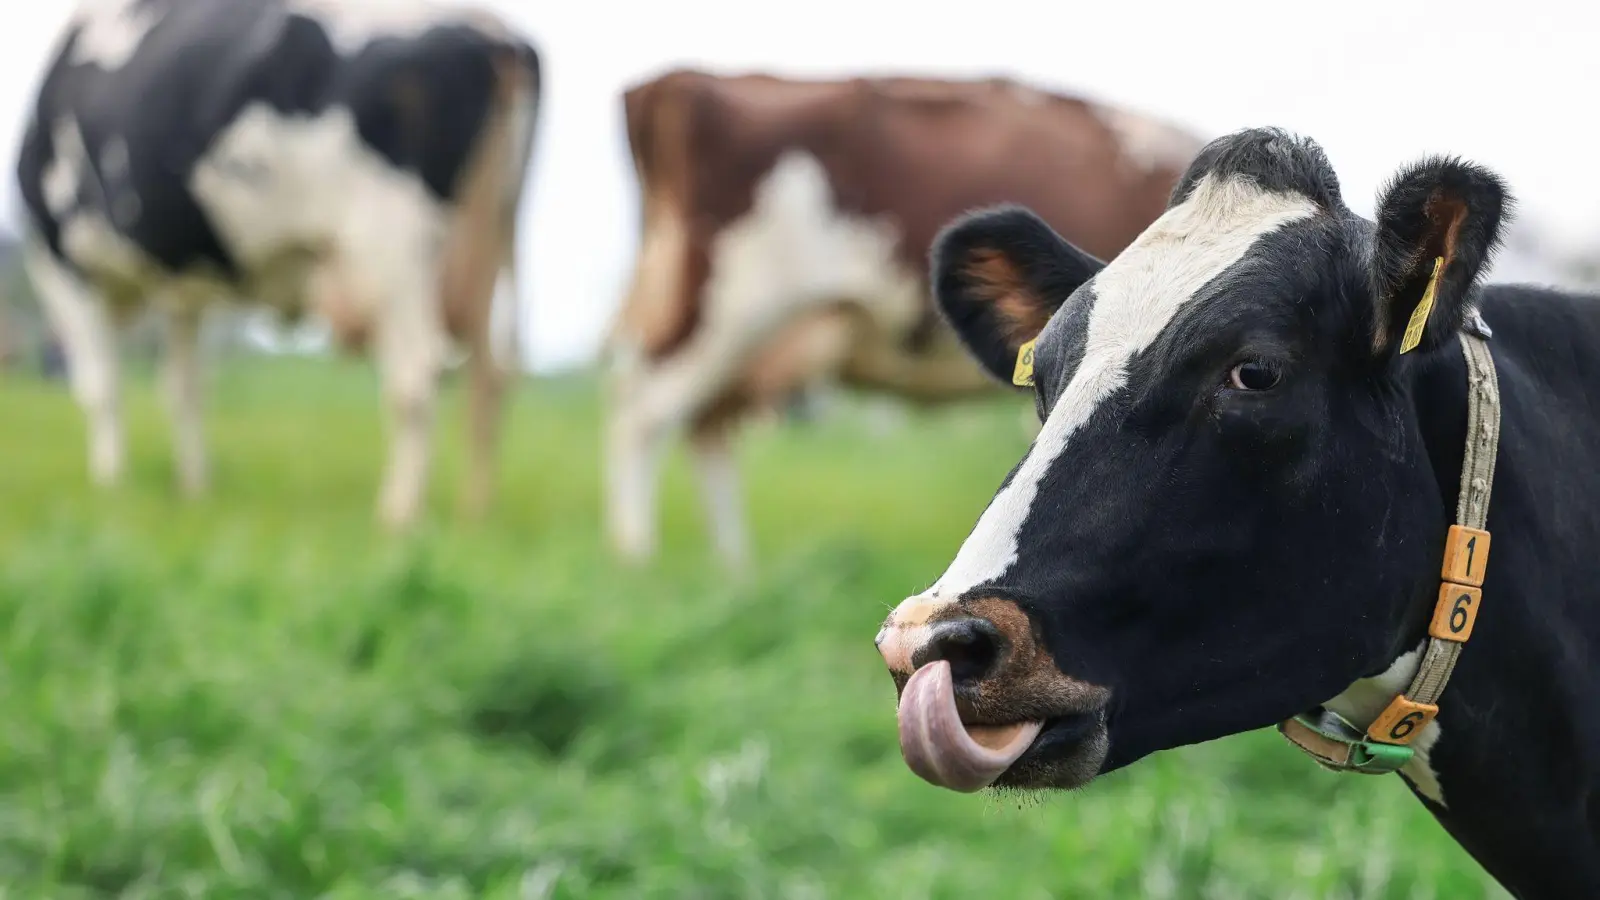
x=258, y=695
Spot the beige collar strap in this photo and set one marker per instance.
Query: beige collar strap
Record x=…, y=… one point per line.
x=1384, y=746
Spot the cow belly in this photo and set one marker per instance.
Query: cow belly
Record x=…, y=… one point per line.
x=308, y=189
x=811, y=347
x=839, y=343
x=804, y=352
x=334, y=297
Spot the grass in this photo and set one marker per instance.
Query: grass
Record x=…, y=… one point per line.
x=256, y=695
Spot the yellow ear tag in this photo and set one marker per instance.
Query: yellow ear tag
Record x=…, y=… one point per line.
x=1419, y=316
x=1023, y=376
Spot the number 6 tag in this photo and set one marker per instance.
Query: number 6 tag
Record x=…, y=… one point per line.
x=1402, y=721
x=1455, y=613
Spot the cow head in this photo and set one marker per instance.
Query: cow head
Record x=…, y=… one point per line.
x=1229, y=514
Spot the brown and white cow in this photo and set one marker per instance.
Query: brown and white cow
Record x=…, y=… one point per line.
x=363, y=159
x=786, y=226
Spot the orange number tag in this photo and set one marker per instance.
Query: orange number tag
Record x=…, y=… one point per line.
x=1455, y=613
x=1466, y=555
x=1402, y=721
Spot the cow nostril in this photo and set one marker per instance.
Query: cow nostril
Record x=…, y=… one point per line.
x=971, y=646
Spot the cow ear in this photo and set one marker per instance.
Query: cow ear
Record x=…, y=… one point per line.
x=998, y=276
x=1439, y=222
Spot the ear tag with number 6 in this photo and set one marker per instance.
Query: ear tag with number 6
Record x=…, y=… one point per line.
x=1023, y=375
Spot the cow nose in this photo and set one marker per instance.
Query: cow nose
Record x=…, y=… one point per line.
x=971, y=646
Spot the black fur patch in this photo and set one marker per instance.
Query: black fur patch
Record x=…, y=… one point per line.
x=1271, y=157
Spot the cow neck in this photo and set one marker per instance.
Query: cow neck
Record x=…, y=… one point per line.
x=1385, y=745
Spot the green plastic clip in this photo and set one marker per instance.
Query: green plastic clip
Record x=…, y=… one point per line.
x=1366, y=756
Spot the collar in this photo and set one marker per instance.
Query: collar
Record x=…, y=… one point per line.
x=1384, y=746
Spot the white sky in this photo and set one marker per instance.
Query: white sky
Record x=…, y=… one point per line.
x=1376, y=82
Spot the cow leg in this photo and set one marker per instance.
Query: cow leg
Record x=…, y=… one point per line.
x=494, y=345
x=650, y=404
x=711, y=447
x=633, y=449
x=181, y=374
x=488, y=375
x=480, y=290
x=84, y=325
x=410, y=355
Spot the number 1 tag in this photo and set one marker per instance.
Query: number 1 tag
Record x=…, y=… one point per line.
x=1466, y=555
x=1022, y=376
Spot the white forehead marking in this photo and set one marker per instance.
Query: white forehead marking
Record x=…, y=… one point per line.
x=1136, y=297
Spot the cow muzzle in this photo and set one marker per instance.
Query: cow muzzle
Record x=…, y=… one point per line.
x=983, y=704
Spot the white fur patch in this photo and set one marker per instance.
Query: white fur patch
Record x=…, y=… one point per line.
x=86, y=235
x=270, y=181
x=1362, y=701
x=793, y=252
x=63, y=175
x=797, y=249
x=110, y=31
x=315, y=217
x=1136, y=297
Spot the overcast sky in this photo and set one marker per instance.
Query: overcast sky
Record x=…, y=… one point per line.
x=1377, y=82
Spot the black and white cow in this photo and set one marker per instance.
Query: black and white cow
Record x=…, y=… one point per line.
x=360, y=159
x=1236, y=507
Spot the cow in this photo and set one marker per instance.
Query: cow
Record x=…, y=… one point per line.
x=360, y=160
x=1276, y=439
x=784, y=231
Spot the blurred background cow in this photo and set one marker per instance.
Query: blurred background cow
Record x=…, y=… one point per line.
x=786, y=227
x=361, y=160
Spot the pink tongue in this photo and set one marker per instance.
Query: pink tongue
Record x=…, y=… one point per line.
x=942, y=750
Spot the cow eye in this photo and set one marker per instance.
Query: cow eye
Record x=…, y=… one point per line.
x=1254, y=375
